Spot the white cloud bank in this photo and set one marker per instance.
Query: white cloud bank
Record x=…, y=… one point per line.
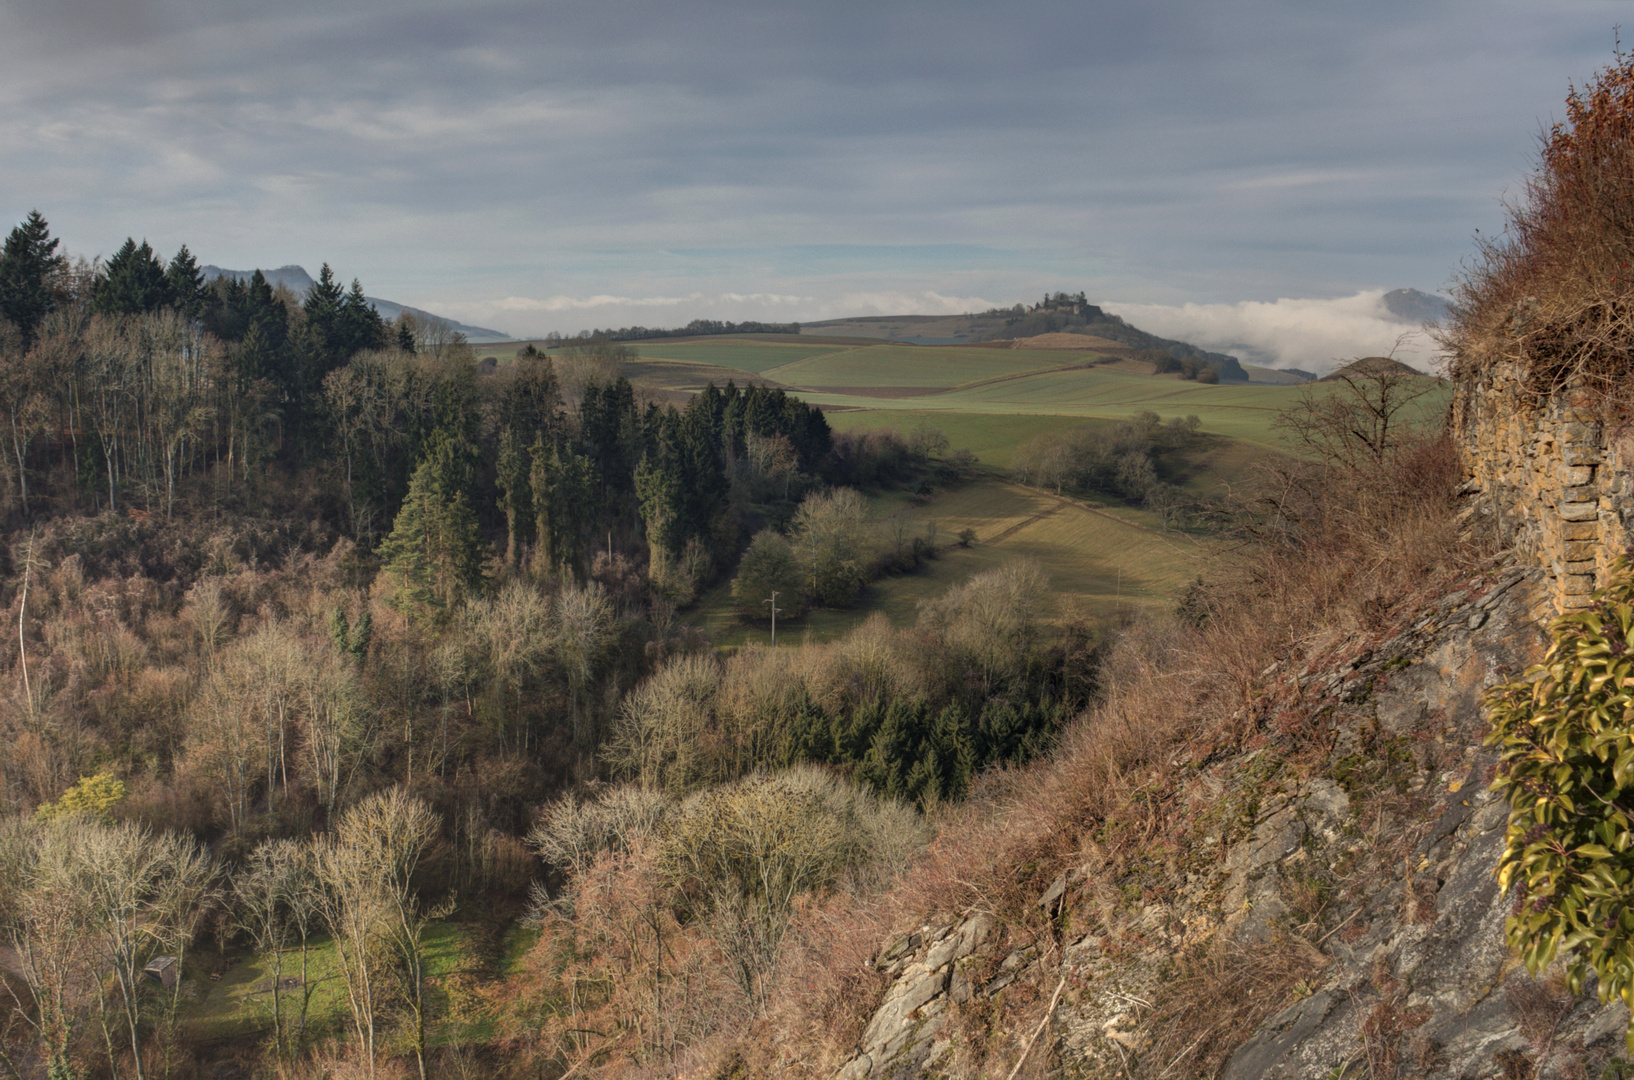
x=1313, y=335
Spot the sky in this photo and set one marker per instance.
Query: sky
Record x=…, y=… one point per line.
x=1247, y=174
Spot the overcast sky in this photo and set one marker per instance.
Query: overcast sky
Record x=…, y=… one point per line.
x=555, y=166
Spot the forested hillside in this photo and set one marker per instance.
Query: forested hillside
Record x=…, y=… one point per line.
x=347, y=682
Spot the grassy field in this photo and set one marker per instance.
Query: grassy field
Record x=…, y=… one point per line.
x=970, y=389
x=752, y=356
x=889, y=366
x=1239, y=412
x=241, y=1001
x=1098, y=559
x=991, y=402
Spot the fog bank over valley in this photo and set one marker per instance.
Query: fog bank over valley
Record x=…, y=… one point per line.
x=1316, y=334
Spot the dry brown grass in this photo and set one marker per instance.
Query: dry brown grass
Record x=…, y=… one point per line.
x=1553, y=294
x=1223, y=992
x=1350, y=547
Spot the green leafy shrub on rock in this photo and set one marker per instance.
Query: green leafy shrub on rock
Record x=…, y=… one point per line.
x=1565, y=730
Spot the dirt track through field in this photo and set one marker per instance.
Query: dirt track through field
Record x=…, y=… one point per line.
x=1018, y=526
x=1061, y=503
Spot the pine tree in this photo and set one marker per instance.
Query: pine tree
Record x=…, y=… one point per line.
x=185, y=284
x=542, y=480
x=610, y=430
x=515, y=493
x=323, y=300
x=359, y=326
x=660, y=486
x=264, y=311
x=132, y=283
x=317, y=346
x=564, y=492
x=27, y=265
x=434, y=553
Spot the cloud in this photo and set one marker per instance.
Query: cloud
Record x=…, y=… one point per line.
x=1313, y=335
x=1189, y=151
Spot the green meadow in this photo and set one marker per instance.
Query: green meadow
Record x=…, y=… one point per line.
x=241, y=1000
x=1103, y=558
x=891, y=366
x=986, y=400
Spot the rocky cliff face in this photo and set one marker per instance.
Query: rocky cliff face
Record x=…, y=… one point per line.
x=1331, y=911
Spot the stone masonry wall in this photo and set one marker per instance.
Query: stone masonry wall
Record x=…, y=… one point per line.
x=1552, y=480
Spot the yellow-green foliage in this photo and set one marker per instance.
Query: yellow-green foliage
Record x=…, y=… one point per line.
x=1566, y=734
x=95, y=795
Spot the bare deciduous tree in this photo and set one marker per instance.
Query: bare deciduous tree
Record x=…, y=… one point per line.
x=87, y=905
x=584, y=624
x=374, y=912
x=746, y=853
x=1360, y=416
x=658, y=734
x=44, y=917
x=276, y=905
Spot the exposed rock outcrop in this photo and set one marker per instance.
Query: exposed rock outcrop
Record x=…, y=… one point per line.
x=1351, y=889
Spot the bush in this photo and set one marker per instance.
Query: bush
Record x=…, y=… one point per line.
x=1552, y=293
x=831, y=536
x=1126, y=460
x=1564, y=730
x=768, y=566
x=991, y=624
x=745, y=854
x=94, y=796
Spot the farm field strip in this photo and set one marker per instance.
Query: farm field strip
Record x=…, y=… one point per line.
x=1250, y=424
x=753, y=357
x=911, y=365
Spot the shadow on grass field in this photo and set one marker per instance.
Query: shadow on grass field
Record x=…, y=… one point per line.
x=1099, y=560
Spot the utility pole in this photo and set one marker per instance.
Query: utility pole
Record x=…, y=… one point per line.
x=773, y=602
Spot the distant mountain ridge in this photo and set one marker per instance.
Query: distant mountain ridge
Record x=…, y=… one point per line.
x=297, y=280
x=1410, y=305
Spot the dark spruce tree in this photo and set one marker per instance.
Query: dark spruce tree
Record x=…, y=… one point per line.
x=133, y=282
x=316, y=345
x=611, y=433
x=185, y=284
x=27, y=266
x=434, y=554
x=515, y=494
x=359, y=327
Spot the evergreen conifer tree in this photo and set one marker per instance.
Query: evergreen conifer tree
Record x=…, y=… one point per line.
x=184, y=283
x=660, y=486
x=323, y=300
x=132, y=283
x=515, y=493
x=434, y=553
x=27, y=265
x=359, y=326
